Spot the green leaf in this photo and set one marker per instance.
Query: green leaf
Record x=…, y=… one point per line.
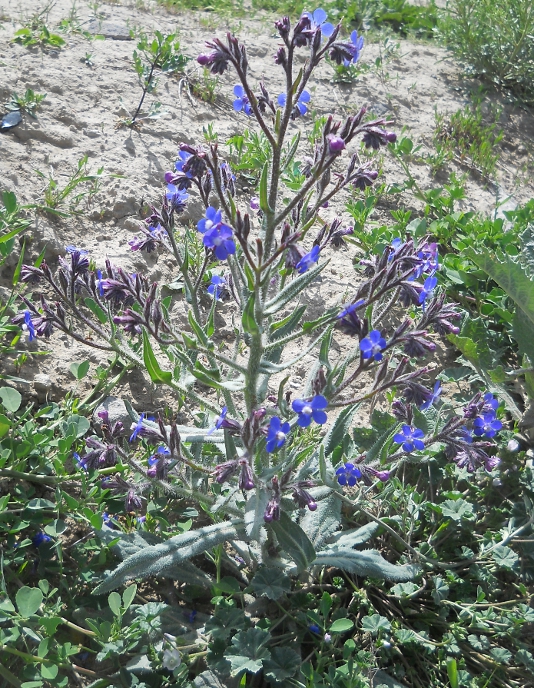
x=452, y=672
x=293, y=289
x=341, y=626
x=11, y=399
x=9, y=201
x=158, y=559
x=375, y=623
x=505, y=558
x=114, y=602
x=256, y=505
x=79, y=370
x=271, y=583
x=5, y=424
x=368, y=562
x=16, y=274
x=247, y=651
x=334, y=437
x=523, y=332
x=128, y=596
x=264, y=200
x=49, y=671
x=28, y=600
x=457, y=509
x=321, y=524
x=157, y=375
x=248, y=318
x=294, y=541
x=75, y=426
x=93, y=306
x=509, y=275
x=283, y=664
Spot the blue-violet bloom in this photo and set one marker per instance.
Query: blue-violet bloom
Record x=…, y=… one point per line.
x=348, y=474
x=310, y=409
x=410, y=438
x=428, y=287
x=40, y=538
x=213, y=218
x=220, y=238
x=433, y=398
x=487, y=425
x=357, y=42
x=28, y=326
x=241, y=102
x=137, y=429
x=276, y=436
x=373, y=345
x=216, y=287
x=318, y=21
x=300, y=104
x=308, y=261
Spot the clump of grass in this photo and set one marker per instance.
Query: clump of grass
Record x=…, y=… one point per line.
x=496, y=39
x=465, y=137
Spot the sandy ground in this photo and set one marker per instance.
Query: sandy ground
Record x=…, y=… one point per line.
x=86, y=100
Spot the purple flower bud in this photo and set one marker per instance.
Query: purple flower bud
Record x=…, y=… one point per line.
x=335, y=144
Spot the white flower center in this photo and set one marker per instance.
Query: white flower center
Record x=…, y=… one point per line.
x=307, y=410
x=280, y=436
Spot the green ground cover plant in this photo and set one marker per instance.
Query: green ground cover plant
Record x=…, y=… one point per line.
x=374, y=527
x=495, y=39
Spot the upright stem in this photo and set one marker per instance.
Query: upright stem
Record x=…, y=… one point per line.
x=145, y=90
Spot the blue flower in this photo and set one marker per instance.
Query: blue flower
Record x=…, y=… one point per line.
x=300, y=104
x=99, y=282
x=276, y=436
x=28, y=325
x=40, y=538
x=486, y=424
x=241, y=102
x=307, y=261
x=433, y=397
x=490, y=403
x=310, y=409
x=348, y=474
x=428, y=287
x=179, y=164
x=373, y=345
x=216, y=287
x=410, y=438
x=72, y=249
x=219, y=421
x=357, y=42
x=314, y=628
x=213, y=218
x=318, y=21
x=138, y=428
x=220, y=238
x=176, y=196
x=349, y=310
x=429, y=261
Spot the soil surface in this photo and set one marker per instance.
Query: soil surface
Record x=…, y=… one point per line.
x=91, y=87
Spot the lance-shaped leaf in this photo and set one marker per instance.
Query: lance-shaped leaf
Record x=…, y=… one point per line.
x=264, y=200
x=322, y=523
x=248, y=319
x=368, y=562
x=334, y=437
x=294, y=541
x=127, y=544
x=157, y=375
x=509, y=275
x=155, y=560
x=293, y=289
x=256, y=505
x=355, y=536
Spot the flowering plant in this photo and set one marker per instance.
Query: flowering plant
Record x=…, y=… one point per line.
x=256, y=464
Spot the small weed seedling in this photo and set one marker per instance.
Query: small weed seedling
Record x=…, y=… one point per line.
x=162, y=54
x=465, y=138
x=27, y=103
x=56, y=197
x=35, y=32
